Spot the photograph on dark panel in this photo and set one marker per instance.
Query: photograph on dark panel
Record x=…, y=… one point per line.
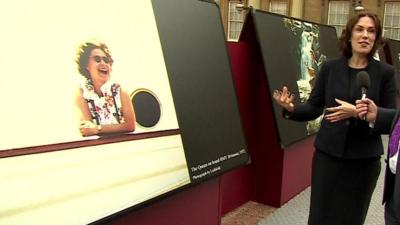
x=108, y=102
x=393, y=53
x=89, y=114
x=309, y=59
x=293, y=51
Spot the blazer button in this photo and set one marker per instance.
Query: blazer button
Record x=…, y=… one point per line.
x=347, y=122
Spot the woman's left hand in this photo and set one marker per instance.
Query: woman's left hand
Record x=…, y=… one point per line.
x=345, y=110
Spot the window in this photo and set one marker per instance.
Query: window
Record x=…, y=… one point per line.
x=235, y=20
x=338, y=13
x=280, y=7
x=391, y=21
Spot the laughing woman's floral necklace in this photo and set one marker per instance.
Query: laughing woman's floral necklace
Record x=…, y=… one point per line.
x=105, y=108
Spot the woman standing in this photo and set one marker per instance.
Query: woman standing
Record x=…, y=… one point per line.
x=346, y=162
x=103, y=105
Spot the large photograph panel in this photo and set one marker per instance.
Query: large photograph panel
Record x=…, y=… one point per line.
x=43, y=42
x=185, y=107
x=293, y=52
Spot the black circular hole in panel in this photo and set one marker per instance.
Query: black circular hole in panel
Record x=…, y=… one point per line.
x=147, y=108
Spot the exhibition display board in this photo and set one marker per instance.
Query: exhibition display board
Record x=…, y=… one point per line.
x=59, y=140
x=202, y=86
x=293, y=52
x=279, y=171
x=391, y=50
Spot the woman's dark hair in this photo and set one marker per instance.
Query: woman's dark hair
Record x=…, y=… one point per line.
x=83, y=54
x=345, y=37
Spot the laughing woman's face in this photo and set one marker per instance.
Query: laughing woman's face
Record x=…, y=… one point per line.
x=99, y=66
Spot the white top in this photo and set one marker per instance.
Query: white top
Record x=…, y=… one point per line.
x=393, y=161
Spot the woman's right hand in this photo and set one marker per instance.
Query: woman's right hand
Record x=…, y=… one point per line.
x=284, y=98
x=88, y=128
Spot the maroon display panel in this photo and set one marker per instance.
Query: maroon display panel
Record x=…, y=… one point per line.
x=198, y=205
x=277, y=175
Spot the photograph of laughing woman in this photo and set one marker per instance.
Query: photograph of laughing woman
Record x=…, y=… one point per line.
x=104, y=107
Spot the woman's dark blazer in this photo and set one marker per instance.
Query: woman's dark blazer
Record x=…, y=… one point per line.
x=384, y=124
x=350, y=138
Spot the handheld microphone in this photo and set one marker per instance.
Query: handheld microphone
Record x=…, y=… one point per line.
x=363, y=82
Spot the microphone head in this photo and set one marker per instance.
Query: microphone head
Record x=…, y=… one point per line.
x=362, y=80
